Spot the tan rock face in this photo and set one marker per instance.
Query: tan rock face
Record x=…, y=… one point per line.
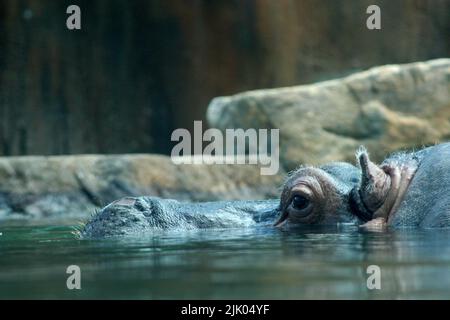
x=385, y=108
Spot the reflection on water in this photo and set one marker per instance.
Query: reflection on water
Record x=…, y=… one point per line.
x=258, y=263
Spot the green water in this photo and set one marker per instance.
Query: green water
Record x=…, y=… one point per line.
x=257, y=263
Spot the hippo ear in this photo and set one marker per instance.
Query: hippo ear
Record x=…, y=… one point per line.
x=374, y=181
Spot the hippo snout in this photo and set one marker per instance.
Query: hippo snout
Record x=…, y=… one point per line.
x=142, y=215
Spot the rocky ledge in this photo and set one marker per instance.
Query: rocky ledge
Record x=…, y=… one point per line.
x=75, y=186
x=386, y=108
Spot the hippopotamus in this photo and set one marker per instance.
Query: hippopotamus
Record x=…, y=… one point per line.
x=408, y=189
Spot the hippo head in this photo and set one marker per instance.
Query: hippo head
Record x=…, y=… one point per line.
x=340, y=192
x=319, y=195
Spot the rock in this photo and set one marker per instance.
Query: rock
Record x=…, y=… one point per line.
x=75, y=186
x=385, y=108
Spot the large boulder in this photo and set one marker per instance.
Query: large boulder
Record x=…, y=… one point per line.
x=386, y=108
x=75, y=186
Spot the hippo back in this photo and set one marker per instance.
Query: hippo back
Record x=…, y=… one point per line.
x=427, y=200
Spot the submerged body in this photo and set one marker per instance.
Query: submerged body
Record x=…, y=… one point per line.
x=406, y=190
x=426, y=198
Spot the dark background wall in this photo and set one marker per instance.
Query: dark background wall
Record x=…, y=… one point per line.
x=139, y=69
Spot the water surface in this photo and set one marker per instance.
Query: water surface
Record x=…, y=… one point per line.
x=253, y=263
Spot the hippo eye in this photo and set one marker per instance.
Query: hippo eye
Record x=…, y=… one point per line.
x=299, y=202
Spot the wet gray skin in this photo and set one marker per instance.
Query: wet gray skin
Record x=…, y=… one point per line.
x=427, y=200
x=144, y=214
x=406, y=190
x=132, y=216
